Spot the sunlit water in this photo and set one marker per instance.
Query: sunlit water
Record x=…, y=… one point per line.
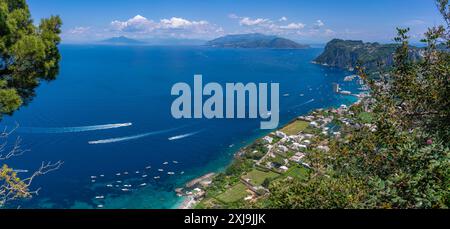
x=108, y=112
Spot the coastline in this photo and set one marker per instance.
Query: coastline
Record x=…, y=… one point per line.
x=190, y=201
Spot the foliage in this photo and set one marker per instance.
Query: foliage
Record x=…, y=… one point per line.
x=404, y=163
x=28, y=53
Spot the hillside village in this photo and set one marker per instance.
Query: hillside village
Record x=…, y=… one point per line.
x=282, y=154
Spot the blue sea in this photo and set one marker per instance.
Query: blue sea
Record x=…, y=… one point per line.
x=107, y=116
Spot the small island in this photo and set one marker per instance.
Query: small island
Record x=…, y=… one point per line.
x=347, y=54
x=122, y=40
x=254, y=40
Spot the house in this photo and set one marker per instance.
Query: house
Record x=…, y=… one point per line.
x=314, y=124
x=306, y=142
x=268, y=139
x=284, y=168
x=283, y=148
x=280, y=134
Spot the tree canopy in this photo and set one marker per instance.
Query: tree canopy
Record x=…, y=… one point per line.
x=28, y=53
x=405, y=162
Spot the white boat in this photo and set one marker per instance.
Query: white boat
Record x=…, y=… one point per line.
x=175, y=162
x=148, y=167
x=171, y=173
x=109, y=185
x=161, y=170
x=119, y=181
x=144, y=184
x=144, y=176
x=100, y=206
x=137, y=172
x=102, y=175
x=93, y=181
x=118, y=174
x=93, y=177
x=182, y=172
x=125, y=173
x=166, y=163
x=156, y=177
x=100, y=197
x=125, y=189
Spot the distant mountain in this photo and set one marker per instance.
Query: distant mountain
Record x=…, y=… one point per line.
x=254, y=40
x=122, y=40
x=174, y=41
x=348, y=54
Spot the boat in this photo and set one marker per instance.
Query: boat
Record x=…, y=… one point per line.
x=109, y=185
x=100, y=197
x=157, y=177
x=161, y=170
x=93, y=177
x=148, y=167
x=182, y=172
x=100, y=206
x=175, y=162
x=166, y=163
x=125, y=189
x=125, y=173
x=137, y=172
x=143, y=184
x=144, y=176
x=118, y=174
x=171, y=173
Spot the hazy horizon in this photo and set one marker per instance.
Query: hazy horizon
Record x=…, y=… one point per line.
x=302, y=21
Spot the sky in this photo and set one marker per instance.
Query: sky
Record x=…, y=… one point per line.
x=312, y=21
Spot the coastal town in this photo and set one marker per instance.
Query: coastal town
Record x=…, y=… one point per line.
x=282, y=154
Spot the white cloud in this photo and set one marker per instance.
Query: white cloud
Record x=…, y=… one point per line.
x=172, y=27
x=415, y=22
x=294, y=26
x=268, y=26
x=329, y=32
x=251, y=22
x=79, y=30
x=135, y=24
x=233, y=16
x=175, y=23
x=318, y=24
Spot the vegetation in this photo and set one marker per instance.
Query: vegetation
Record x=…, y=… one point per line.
x=350, y=54
x=404, y=162
x=295, y=127
x=235, y=193
x=257, y=177
x=28, y=54
x=254, y=40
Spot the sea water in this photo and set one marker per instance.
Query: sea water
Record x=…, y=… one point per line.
x=107, y=116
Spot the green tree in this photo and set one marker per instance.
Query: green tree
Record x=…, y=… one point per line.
x=28, y=53
x=405, y=162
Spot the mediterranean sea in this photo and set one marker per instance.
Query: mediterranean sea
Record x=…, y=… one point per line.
x=108, y=117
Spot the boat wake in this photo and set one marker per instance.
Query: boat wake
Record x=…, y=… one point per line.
x=129, y=138
x=307, y=102
x=60, y=130
x=178, y=137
